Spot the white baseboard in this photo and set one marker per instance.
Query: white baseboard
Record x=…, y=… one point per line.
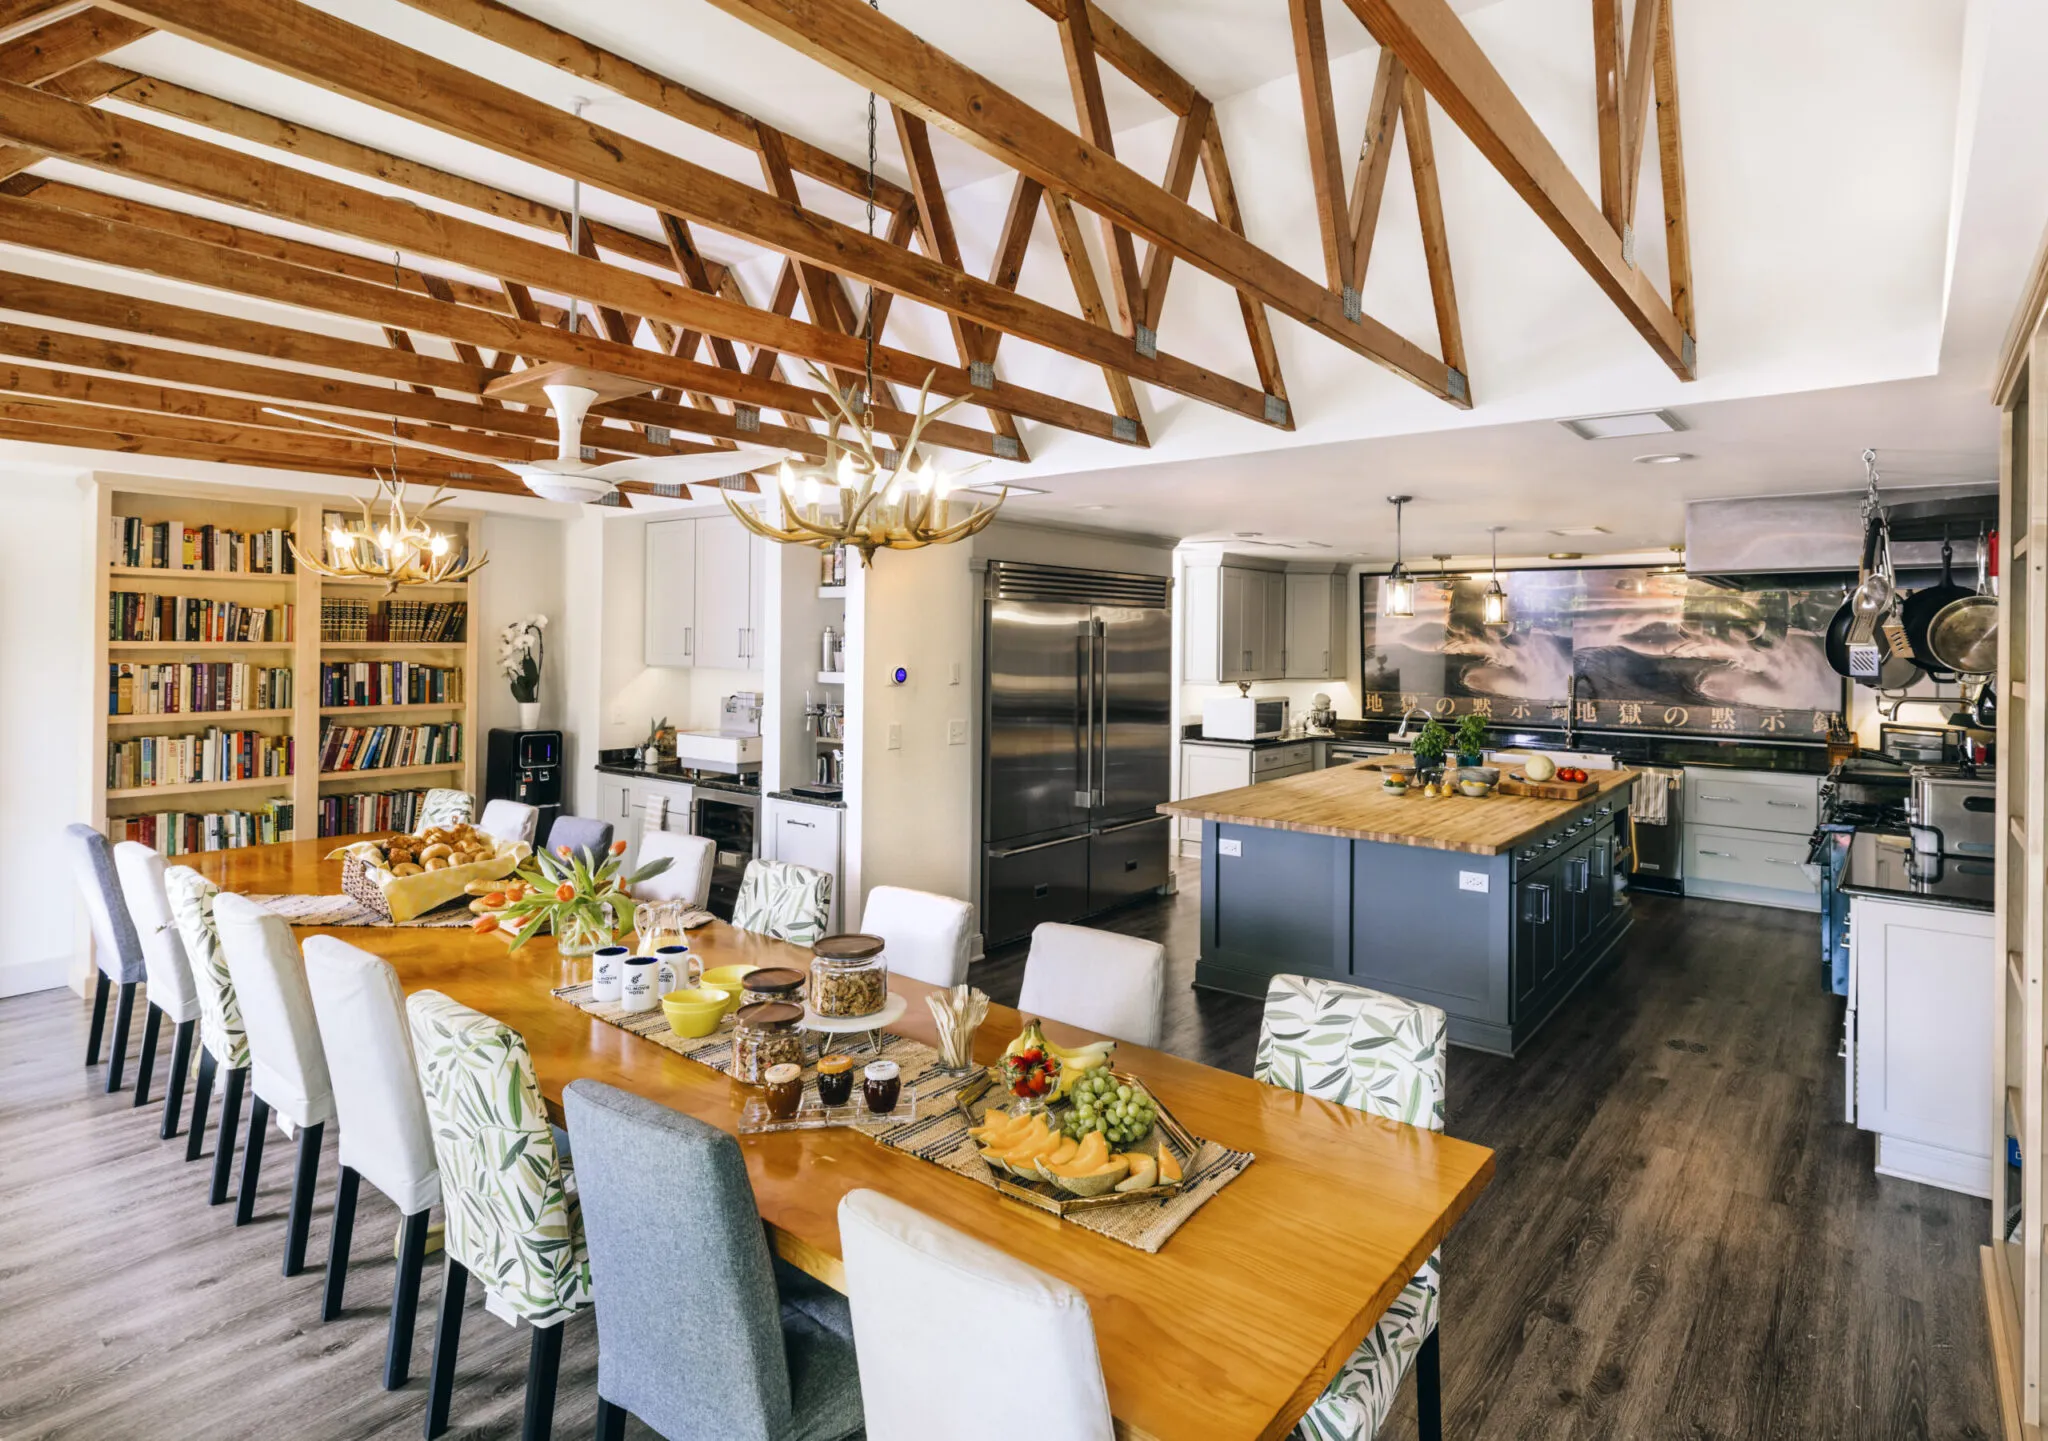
x=1934, y=1166
x=25, y=977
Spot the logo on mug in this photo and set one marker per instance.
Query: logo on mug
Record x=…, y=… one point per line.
x=607, y=973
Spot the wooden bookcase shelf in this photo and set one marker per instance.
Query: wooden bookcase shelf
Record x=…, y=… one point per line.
x=248, y=509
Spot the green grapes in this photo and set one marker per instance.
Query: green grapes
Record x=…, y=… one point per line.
x=1099, y=1102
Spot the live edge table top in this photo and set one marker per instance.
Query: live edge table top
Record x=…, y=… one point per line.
x=1230, y=1331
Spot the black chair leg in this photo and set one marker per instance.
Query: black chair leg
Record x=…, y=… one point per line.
x=339, y=1232
x=202, y=1094
x=252, y=1160
x=405, y=1300
x=447, y=1336
x=543, y=1369
x=611, y=1421
x=230, y=1123
x=299, y=1221
x=145, y=1070
x=1429, y=1391
x=181, y=1065
x=124, y=1014
x=99, y=1019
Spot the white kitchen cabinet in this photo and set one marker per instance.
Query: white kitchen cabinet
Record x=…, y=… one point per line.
x=1206, y=768
x=670, y=614
x=1922, y=984
x=1746, y=836
x=806, y=835
x=1234, y=621
x=1315, y=625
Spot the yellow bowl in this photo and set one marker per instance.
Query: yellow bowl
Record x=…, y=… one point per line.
x=694, y=1013
x=730, y=980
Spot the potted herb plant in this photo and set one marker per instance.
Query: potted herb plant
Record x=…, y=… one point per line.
x=1471, y=739
x=577, y=895
x=519, y=657
x=1431, y=742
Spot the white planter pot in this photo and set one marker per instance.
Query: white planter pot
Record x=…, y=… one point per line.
x=529, y=715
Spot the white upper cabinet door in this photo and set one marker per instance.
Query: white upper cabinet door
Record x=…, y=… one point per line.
x=725, y=593
x=670, y=620
x=1315, y=626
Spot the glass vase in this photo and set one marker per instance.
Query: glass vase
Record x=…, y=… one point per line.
x=580, y=935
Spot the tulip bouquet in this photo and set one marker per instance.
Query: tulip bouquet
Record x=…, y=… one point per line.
x=576, y=894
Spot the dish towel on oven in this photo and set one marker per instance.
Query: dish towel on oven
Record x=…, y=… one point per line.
x=1649, y=801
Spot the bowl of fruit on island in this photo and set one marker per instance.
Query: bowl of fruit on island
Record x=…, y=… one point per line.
x=1078, y=1129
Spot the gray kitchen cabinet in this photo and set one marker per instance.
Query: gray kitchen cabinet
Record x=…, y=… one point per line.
x=669, y=616
x=1746, y=836
x=1235, y=624
x=1315, y=625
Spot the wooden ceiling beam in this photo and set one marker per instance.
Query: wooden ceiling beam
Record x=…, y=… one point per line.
x=325, y=51
x=1369, y=185
x=1671, y=170
x=45, y=53
x=528, y=36
x=1190, y=133
x=1429, y=206
x=1635, y=110
x=1084, y=78
x=18, y=13
x=1088, y=292
x=1258, y=327
x=1610, y=64
x=125, y=146
x=1433, y=43
x=79, y=83
x=691, y=265
x=1325, y=158
x=1128, y=56
x=877, y=52
x=127, y=443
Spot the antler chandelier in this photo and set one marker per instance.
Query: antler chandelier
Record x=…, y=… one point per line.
x=402, y=549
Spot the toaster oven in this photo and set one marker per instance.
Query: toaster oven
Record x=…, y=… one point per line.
x=1953, y=810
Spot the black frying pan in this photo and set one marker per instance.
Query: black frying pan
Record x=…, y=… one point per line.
x=1923, y=605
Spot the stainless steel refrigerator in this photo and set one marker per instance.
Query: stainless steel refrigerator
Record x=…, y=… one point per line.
x=1076, y=736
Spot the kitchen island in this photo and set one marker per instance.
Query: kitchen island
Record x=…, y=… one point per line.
x=1494, y=908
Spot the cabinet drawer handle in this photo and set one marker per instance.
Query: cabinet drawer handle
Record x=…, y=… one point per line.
x=1778, y=861
x=1787, y=805
x=1724, y=855
x=1728, y=799
x=793, y=821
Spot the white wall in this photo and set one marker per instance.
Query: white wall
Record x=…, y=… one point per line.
x=46, y=619
x=524, y=577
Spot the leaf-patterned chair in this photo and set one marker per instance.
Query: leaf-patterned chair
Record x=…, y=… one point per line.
x=445, y=807
x=512, y=1217
x=223, y=1043
x=1385, y=1056
x=783, y=900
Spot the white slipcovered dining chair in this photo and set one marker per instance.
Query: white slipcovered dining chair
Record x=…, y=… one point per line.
x=172, y=994
x=287, y=1064
x=688, y=877
x=509, y=821
x=1111, y=984
x=223, y=1042
x=926, y=934
x=116, y=950
x=926, y=1298
x=1385, y=1056
x=385, y=1138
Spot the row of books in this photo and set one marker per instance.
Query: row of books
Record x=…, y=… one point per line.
x=177, y=833
x=375, y=748
x=196, y=687
x=212, y=755
x=171, y=545
x=141, y=615
x=388, y=682
x=396, y=621
x=365, y=811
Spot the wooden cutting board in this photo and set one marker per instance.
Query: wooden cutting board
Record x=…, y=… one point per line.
x=1514, y=783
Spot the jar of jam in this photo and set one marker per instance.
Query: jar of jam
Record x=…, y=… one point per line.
x=849, y=976
x=880, y=1084
x=773, y=983
x=766, y=1034
x=835, y=1080
x=783, y=1087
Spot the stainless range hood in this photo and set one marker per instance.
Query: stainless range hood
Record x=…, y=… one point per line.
x=1789, y=538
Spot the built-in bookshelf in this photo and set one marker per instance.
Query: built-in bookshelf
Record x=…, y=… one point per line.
x=230, y=675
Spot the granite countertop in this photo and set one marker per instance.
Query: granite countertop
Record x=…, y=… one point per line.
x=675, y=775
x=1192, y=735
x=792, y=796
x=1349, y=802
x=1637, y=747
x=1884, y=866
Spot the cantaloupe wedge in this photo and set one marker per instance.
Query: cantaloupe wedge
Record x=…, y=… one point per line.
x=997, y=1126
x=1093, y=1151
x=1169, y=1168
x=1093, y=1181
x=1020, y=1151
x=1144, y=1172
x=1068, y=1149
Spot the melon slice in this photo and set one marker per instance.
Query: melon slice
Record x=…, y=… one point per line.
x=1079, y=1181
x=1092, y=1152
x=1144, y=1172
x=1169, y=1168
x=1019, y=1149
x=1065, y=1153
x=997, y=1126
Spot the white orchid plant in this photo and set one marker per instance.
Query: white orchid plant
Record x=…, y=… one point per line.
x=519, y=655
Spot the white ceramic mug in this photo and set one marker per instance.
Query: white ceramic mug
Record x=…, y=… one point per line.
x=608, y=972
x=679, y=968
x=641, y=991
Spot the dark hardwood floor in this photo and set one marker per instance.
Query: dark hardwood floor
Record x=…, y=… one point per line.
x=1683, y=1239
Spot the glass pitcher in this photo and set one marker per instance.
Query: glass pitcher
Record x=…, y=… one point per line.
x=658, y=924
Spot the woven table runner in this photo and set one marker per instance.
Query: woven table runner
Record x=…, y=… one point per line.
x=348, y=911
x=939, y=1134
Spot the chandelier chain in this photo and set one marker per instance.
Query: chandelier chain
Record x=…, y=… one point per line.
x=867, y=326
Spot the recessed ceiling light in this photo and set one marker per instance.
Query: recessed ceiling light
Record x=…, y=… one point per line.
x=1614, y=427
x=1091, y=507
x=1247, y=534
x=1668, y=457
x=1580, y=530
x=999, y=489
x=1567, y=555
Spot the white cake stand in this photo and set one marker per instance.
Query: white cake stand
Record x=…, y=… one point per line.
x=870, y=1024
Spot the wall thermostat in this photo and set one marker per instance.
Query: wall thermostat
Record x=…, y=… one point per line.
x=899, y=675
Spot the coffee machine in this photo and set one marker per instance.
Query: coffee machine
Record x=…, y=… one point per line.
x=526, y=766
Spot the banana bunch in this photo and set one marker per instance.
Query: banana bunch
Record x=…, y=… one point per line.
x=1035, y=1066
x=1078, y=1061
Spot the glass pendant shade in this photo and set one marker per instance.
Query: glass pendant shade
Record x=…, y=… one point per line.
x=1397, y=593
x=1495, y=606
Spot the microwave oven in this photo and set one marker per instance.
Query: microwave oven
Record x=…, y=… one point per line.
x=1246, y=718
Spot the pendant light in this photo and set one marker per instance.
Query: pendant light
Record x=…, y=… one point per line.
x=1495, y=607
x=1397, y=591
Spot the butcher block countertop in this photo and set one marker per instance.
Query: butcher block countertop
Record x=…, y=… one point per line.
x=1348, y=801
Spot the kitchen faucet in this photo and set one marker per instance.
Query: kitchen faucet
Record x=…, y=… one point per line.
x=1414, y=710
x=1571, y=709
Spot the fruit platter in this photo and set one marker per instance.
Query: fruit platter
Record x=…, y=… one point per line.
x=1060, y=1129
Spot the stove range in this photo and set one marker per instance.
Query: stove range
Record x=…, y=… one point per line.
x=1864, y=794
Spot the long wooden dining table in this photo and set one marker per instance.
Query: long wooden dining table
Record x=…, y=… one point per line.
x=1229, y=1331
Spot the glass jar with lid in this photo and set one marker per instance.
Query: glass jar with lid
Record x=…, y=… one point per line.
x=766, y=1033
x=849, y=976
x=773, y=983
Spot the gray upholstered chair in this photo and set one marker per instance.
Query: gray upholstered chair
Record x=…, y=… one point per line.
x=580, y=833
x=172, y=994
x=680, y=1268
x=116, y=948
x=445, y=807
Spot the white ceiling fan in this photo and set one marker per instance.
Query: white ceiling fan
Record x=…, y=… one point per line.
x=568, y=477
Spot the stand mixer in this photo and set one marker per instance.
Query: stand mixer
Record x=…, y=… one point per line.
x=1320, y=717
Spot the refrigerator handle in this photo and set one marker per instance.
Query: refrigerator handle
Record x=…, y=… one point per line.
x=1099, y=722
x=1084, y=738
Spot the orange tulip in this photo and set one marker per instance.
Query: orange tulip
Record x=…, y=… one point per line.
x=561, y=850
x=618, y=848
x=485, y=925
x=565, y=892
x=496, y=899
